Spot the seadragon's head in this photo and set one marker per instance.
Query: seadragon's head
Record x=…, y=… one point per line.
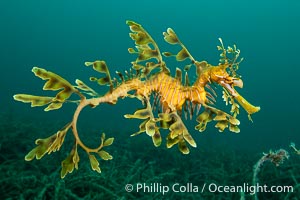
x=225, y=75
x=219, y=75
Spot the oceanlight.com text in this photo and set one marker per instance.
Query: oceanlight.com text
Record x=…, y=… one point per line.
x=205, y=187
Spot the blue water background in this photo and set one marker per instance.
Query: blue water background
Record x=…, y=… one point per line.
x=61, y=35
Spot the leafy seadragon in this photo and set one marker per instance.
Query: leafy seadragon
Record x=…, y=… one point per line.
x=149, y=75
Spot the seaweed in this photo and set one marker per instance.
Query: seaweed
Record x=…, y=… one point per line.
x=220, y=166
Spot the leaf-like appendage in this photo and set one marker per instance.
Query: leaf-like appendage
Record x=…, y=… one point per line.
x=94, y=163
x=182, y=55
x=179, y=134
x=230, y=57
x=167, y=54
x=171, y=142
x=165, y=117
x=39, y=101
x=220, y=117
x=164, y=124
x=139, y=34
x=48, y=145
x=102, y=137
x=104, y=155
x=54, y=106
x=140, y=38
x=140, y=114
x=146, y=48
x=100, y=66
x=131, y=50
x=59, y=140
x=34, y=100
x=187, y=137
x=170, y=36
x=142, y=127
x=137, y=66
x=150, y=127
x=108, y=142
x=156, y=138
x=183, y=147
x=203, y=119
x=147, y=54
x=55, y=82
x=71, y=162
x=134, y=27
x=223, y=120
x=165, y=120
x=42, y=148
x=175, y=129
x=234, y=128
x=82, y=86
x=234, y=121
x=225, y=97
x=221, y=125
x=181, y=144
x=229, y=99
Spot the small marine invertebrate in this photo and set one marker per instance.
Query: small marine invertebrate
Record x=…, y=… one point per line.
x=152, y=76
x=277, y=158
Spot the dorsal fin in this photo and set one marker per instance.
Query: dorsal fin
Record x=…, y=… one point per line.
x=121, y=76
x=187, y=81
x=178, y=74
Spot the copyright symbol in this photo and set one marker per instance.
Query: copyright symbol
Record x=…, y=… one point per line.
x=128, y=187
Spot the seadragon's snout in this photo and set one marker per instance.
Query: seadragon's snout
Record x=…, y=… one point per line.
x=220, y=76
